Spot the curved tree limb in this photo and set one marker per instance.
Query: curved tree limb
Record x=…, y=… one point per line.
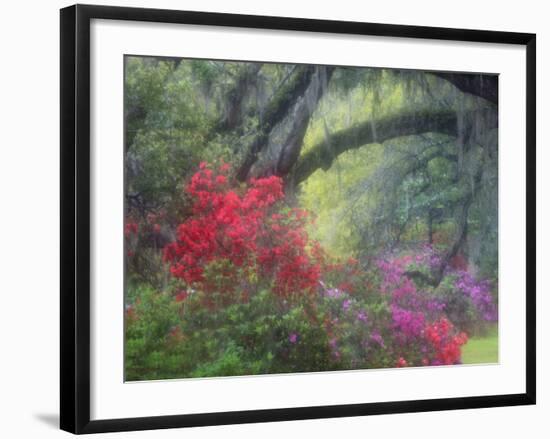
x=444, y=122
x=484, y=86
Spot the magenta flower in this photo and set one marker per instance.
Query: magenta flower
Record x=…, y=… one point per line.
x=293, y=337
x=362, y=316
x=479, y=293
x=376, y=337
x=408, y=324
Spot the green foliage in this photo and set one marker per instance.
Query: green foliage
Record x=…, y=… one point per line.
x=329, y=194
x=167, y=339
x=167, y=123
x=219, y=335
x=148, y=322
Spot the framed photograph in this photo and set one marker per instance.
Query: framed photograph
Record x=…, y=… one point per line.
x=268, y=218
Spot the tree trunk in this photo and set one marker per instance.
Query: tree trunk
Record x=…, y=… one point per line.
x=275, y=112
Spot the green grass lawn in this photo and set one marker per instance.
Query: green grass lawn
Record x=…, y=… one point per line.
x=482, y=349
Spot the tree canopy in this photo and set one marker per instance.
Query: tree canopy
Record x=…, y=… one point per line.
x=391, y=156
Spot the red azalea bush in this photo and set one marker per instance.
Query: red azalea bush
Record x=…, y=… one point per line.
x=244, y=233
x=130, y=228
x=445, y=347
x=239, y=257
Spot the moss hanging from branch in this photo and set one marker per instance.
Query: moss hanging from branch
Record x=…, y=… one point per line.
x=444, y=122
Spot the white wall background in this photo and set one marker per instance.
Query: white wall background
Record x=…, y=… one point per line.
x=29, y=247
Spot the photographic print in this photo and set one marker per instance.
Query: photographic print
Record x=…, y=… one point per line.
x=286, y=218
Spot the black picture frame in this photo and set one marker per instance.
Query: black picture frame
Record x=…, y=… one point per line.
x=75, y=217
